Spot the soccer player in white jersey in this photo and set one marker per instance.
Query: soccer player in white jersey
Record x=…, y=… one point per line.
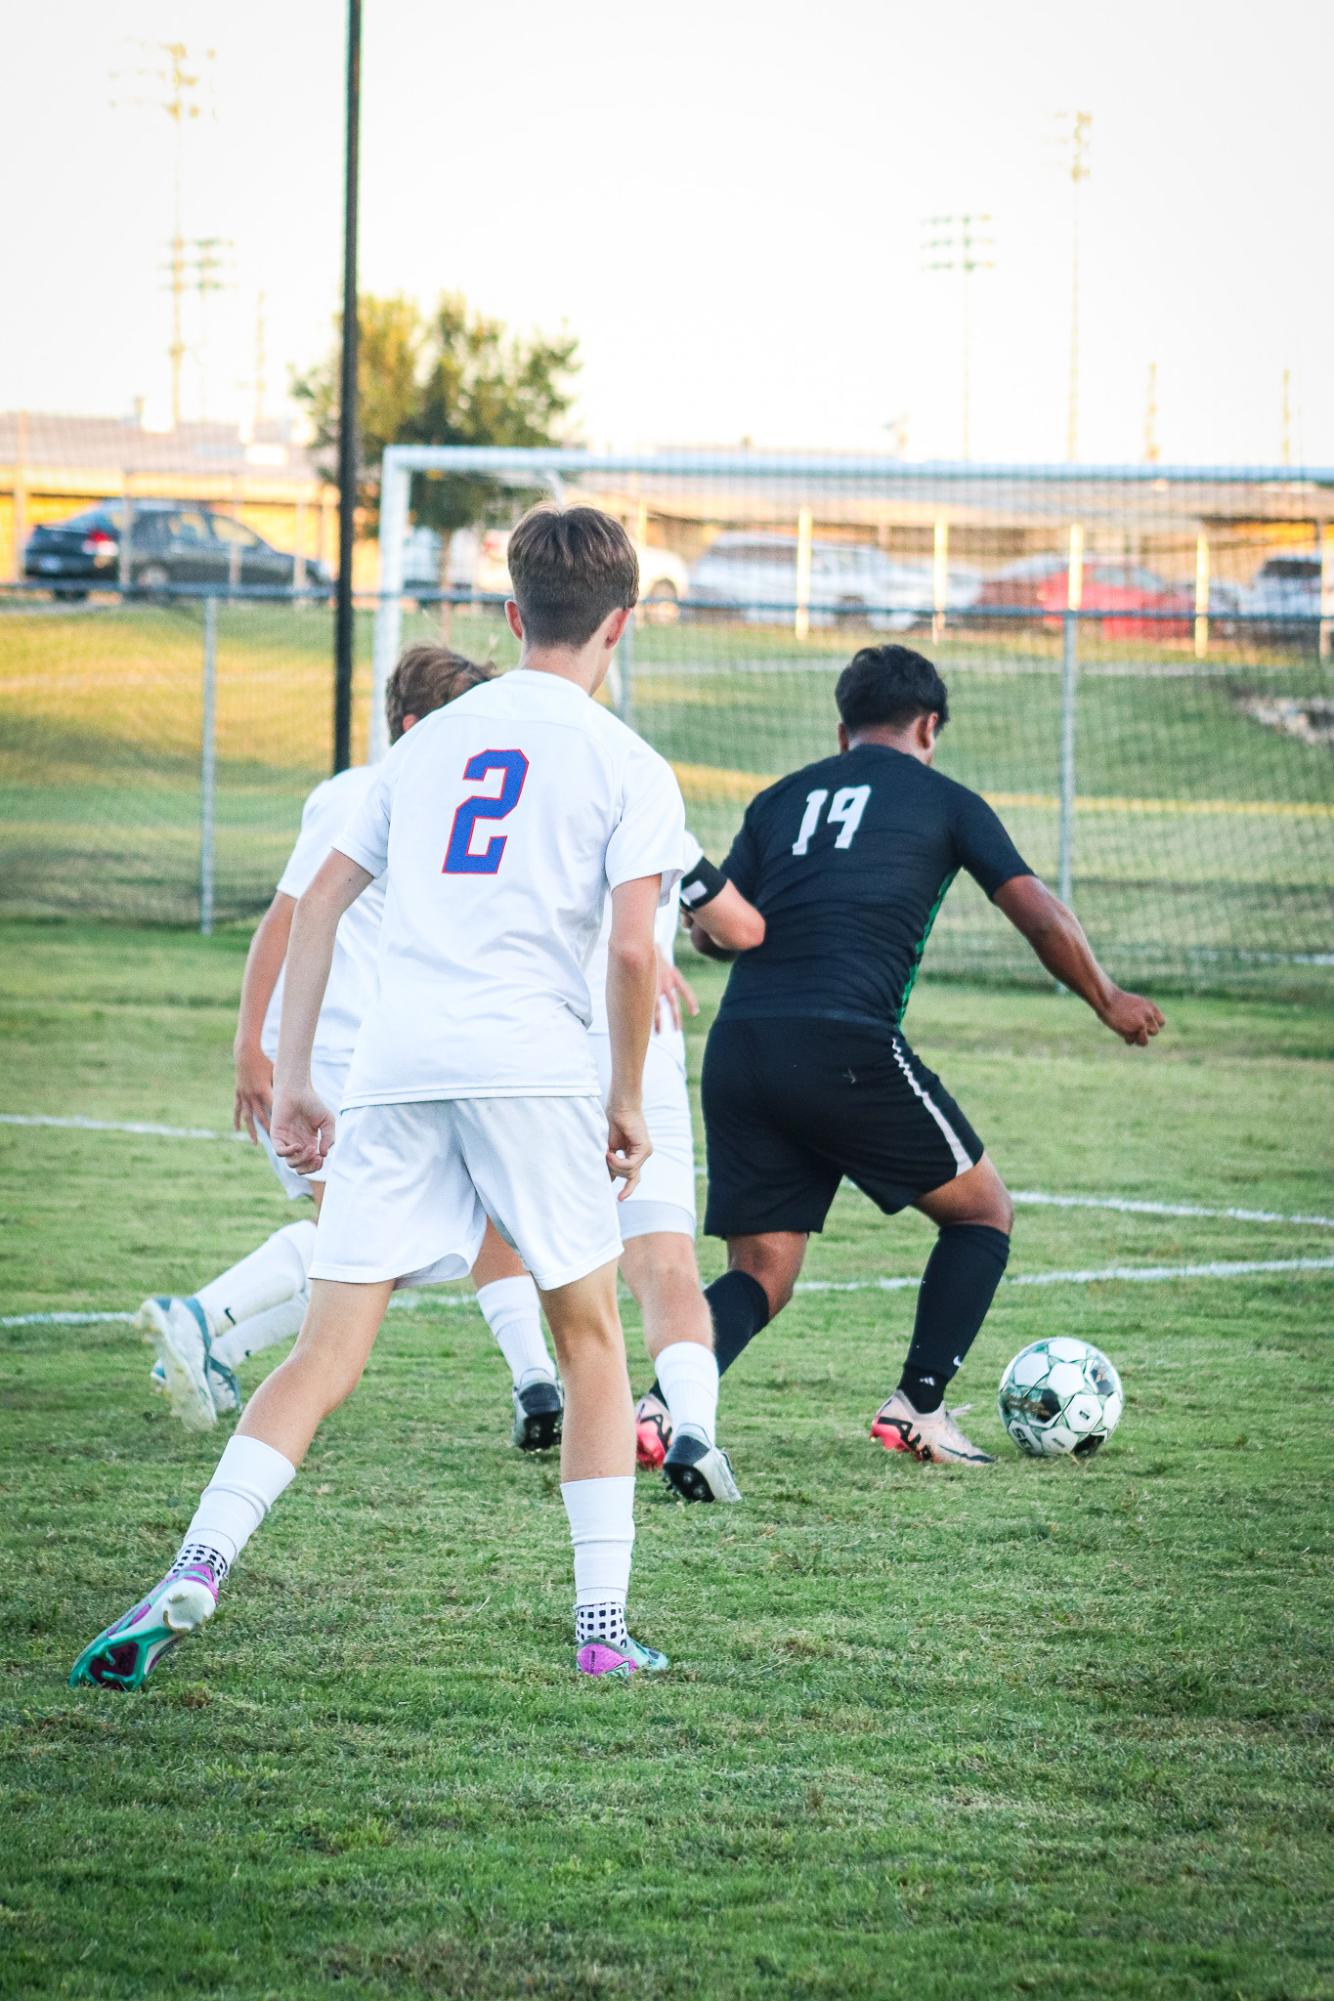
x=201, y=1338
x=658, y=1220
x=502, y=821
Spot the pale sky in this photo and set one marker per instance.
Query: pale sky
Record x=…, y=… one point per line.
x=723, y=201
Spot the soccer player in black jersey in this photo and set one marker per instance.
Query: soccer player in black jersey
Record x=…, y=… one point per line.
x=807, y=1074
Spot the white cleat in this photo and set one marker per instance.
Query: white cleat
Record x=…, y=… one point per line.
x=698, y=1470
x=198, y=1389
x=932, y=1437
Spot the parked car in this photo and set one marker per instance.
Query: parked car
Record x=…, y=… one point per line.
x=1284, y=591
x=171, y=542
x=421, y=560
x=663, y=577
x=1041, y=584
x=756, y=575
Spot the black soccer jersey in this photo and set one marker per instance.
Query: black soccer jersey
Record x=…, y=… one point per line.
x=849, y=861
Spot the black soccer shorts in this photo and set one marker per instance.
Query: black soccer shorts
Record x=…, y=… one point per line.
x=791, y=1106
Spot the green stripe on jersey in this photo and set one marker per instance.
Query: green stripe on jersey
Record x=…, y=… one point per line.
x=920, y=946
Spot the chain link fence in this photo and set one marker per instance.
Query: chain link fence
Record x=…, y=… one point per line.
x=1138, y=681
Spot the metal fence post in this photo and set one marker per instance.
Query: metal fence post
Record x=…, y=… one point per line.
x=625, y=673
x=208, y=766
x=1069, y=703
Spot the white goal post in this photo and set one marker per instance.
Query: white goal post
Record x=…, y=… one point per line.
x=940, y=491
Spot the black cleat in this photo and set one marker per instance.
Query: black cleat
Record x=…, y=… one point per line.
x=539, y=1408
x=698, y=1471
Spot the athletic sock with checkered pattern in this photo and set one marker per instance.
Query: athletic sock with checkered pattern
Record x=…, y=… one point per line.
x=249, y=1478
x=600, y=1622
x=601, y=1514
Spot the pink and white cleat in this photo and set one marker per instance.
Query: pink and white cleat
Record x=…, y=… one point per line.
x=653, y=1433
x=619, y=1661
x=932, y=1437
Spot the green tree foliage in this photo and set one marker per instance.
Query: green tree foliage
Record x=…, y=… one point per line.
x=448, y=377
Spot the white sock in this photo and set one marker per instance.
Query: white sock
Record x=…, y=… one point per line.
x=602, y=1529
x=262, y=1330
x=274, y=1273
x=688, y=1373
x=247, y=1481
x=514, y=1317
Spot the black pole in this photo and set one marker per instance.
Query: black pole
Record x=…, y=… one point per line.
x=347, y=418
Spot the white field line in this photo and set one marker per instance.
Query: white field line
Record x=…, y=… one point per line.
x=1125, y=1205
x=115, y=1126
x=1108, y=1275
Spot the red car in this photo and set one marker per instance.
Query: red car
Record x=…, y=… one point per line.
x=1041, y=584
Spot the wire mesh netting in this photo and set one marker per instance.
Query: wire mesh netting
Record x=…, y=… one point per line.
x=1138, y=670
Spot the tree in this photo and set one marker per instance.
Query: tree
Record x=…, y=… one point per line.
x=448, y=377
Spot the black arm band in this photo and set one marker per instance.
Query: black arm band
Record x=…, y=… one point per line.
x=703, y=883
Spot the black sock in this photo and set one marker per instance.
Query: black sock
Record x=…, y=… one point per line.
x=740, y=1308
x=958, y=1286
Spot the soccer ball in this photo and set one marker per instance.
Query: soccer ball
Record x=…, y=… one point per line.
x=1060, y=1396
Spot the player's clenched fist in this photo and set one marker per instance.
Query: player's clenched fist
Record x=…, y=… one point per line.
x=302, y=1130
x=628, y=1147
x=1131, y=1017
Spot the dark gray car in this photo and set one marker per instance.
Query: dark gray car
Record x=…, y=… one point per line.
x=182, y=543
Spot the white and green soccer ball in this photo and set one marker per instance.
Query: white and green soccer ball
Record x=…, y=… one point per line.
x=1060, y=1396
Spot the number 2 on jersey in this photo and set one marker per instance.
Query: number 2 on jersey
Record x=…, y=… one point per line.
x=845, y=813
x=459, y=857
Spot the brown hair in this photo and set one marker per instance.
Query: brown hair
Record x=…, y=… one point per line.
x=425, y=678
x=570, y=567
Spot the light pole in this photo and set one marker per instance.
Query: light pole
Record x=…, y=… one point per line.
x=1078, y=136
x=963, y=244
x=177, y=79
x=347, y=406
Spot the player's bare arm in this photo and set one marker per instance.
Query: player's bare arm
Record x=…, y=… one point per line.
x=720, y=920
x=264, y=963
x=302, y=1126
x=1057, y=937
x=632, y=997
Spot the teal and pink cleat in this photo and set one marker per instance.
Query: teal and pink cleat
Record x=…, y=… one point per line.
x=127, y=1652
x=619, y=1661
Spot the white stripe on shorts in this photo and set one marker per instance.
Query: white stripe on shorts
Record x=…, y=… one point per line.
x=961, y=1161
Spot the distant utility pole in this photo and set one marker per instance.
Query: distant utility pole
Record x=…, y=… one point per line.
x=963, y=244
x=261, y=383
x=1152, y=453
x=198, y=264
x=1285, y=431
x=175, y=85
x=1077, y=129
x=347, y=410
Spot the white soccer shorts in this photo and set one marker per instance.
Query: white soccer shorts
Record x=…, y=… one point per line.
x=664, y=1195
x=328, y=1080
x=409, y=1188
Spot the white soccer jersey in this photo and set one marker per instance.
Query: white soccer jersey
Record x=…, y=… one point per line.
x=352, y=971
x=665, y=931
x=502, y=820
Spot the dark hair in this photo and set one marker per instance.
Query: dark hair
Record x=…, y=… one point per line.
x=570, y=567
x=425, y=678
x=889, y=687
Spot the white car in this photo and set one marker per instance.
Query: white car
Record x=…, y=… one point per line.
x=421, y=560
x=756, y=576
x=663, y=577
x=1284, y=590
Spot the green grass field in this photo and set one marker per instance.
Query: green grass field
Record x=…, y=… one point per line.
x=1054, y=1729
x=1203, y=834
